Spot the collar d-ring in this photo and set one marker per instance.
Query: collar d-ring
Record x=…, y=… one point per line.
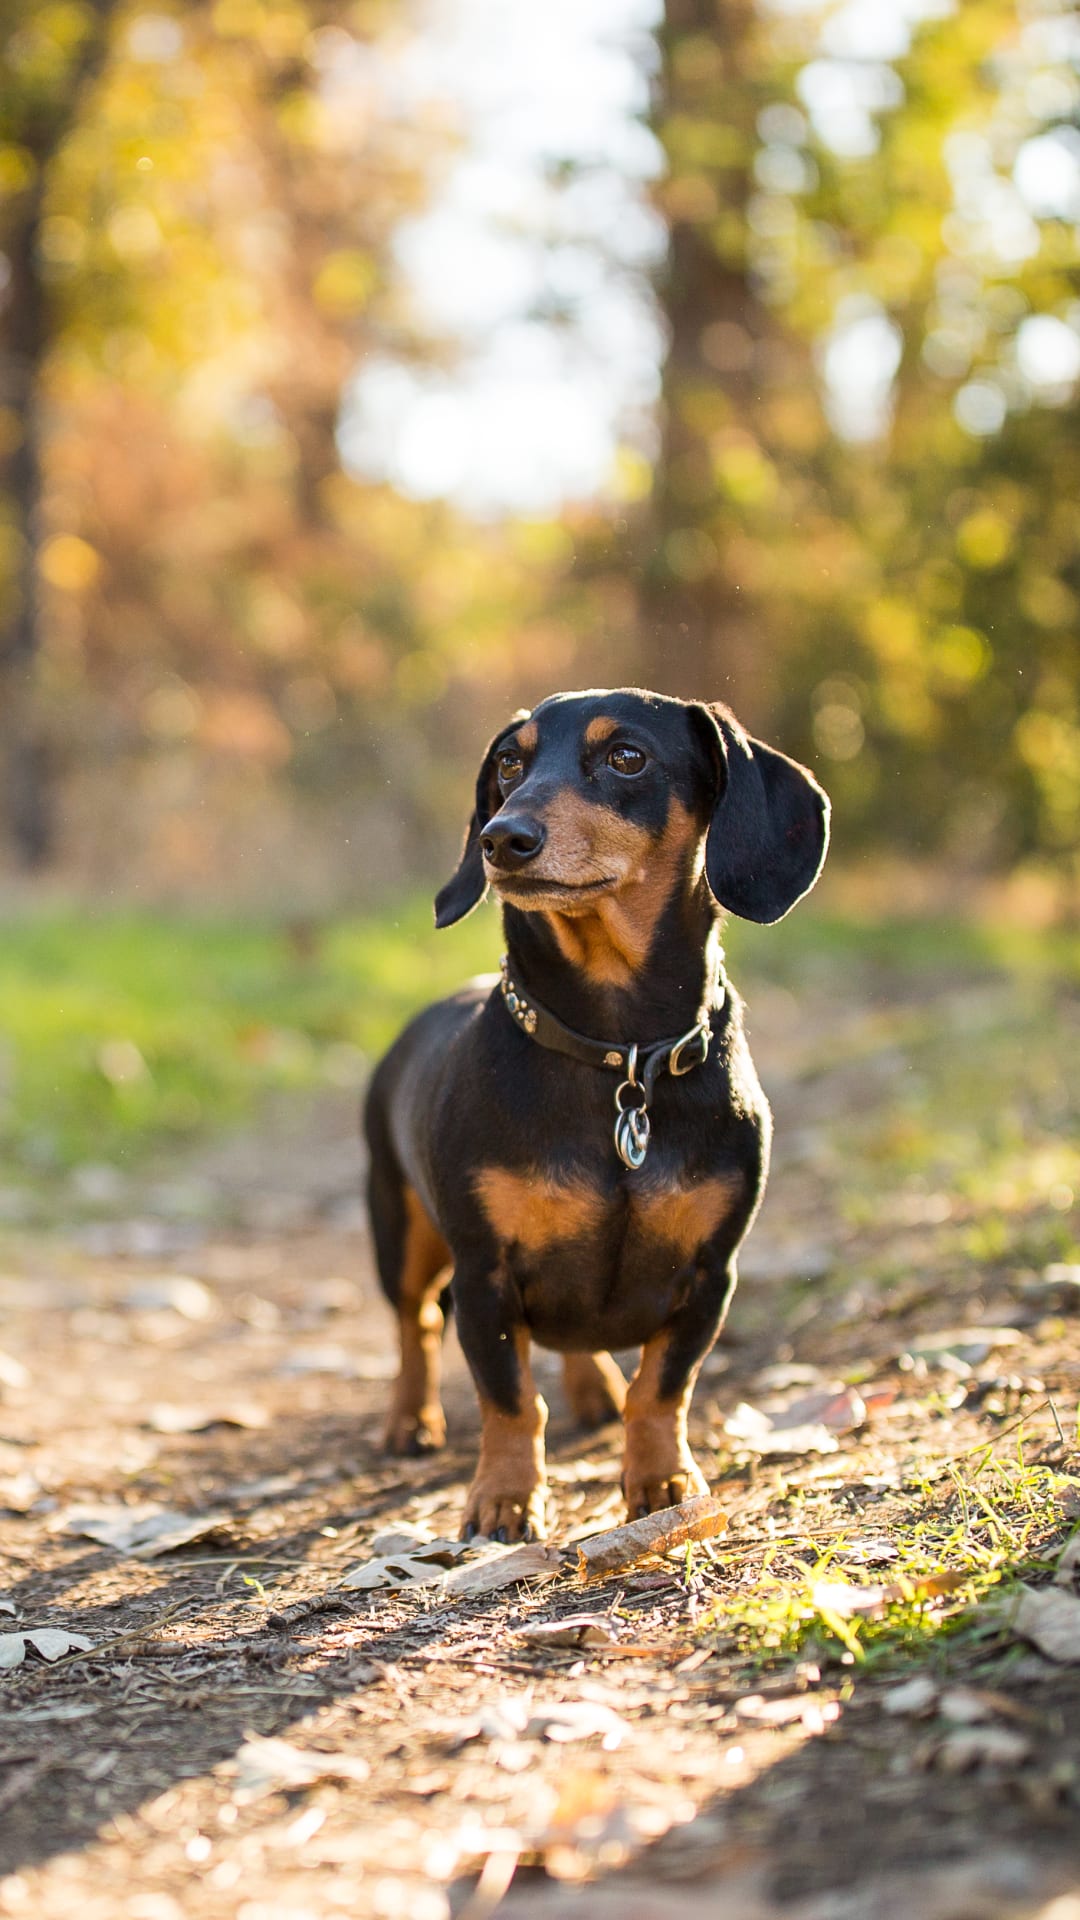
x=640, y=1066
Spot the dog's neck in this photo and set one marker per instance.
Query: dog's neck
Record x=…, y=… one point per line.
x=626, y=970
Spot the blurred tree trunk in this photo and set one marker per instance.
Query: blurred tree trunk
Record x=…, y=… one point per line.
x=25, y=789
x=694, y=629
x=38, y=124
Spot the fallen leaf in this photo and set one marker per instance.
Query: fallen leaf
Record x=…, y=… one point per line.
x=274, y=1766
x=393, y=1570
x=504, y=1720
x=1068, y=1567
x=578, y=1630
x=966, y=1707
x=267, y=1487
x=529, y=1561
x=1050, y=1619
x=513, y=1720
x=172, y=1292
x=788, y=1373
x=811, y=1711
x=578, y=1720
x=932, y=1586
x=166, y=1418
x=975, y=1706
x=421, y=1546
x=877, y=1399
x=420, y=1562
x=142, y=1532
x=694, y=1660
x=50, y=1642
x=699, y=1519
x=841, y=1409
x=981, y=1746
x=960, y=1349
x=12, y=1372
x=402, y=1539
x=757, y=1432
x=19, y=1492
x=845, y=1601
x=912, y=1698
x=867, y=1553
x=331, y=1359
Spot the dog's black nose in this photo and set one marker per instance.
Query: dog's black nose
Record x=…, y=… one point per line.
x=511, y=841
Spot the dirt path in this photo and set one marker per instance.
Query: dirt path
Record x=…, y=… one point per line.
x=736, y=1742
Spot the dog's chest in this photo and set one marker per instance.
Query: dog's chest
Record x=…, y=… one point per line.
x=593, y=1249
x=536, y=1209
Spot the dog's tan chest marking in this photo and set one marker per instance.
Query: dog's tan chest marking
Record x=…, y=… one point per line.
x=684, y=1217
x=537, y=1209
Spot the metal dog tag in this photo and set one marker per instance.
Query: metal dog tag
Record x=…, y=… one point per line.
x=632, y=1131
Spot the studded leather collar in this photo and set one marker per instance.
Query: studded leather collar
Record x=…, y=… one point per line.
x=638, y=1065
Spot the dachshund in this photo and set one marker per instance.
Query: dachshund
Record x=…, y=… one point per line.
x=583, y=1139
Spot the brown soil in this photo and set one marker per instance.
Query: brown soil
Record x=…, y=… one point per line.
x=119, y=1795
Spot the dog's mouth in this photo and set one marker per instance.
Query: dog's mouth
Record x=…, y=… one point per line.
x=536, y=890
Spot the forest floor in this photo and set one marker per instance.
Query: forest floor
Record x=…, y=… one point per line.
x=860, y=1700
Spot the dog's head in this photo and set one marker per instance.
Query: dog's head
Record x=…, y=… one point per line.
x=587, y=795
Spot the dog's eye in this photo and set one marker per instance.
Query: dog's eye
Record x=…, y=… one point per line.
x=627, y=760
x=509, y=763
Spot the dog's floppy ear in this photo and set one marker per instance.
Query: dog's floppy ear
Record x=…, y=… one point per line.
x=467, y=887
x=770, y=822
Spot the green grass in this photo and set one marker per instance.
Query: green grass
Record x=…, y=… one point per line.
x=978, y=1532
x=121, y=1032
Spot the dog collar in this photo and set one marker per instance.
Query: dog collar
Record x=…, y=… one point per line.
x=639, y=1066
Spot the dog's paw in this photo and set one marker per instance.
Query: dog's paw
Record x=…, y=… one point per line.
x=504, y=1513
x=595, y=1388
x=409, y=1434
x=649, y=1493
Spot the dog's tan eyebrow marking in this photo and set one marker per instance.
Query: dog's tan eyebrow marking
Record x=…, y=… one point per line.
x=526, y=736
x=600, y=729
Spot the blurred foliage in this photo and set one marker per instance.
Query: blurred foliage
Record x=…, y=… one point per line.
x=129, y=1031
x=231, y=628
x=239, y=653
x=902, y=606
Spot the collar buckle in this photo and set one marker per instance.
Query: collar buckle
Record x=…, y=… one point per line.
x=701, y=1032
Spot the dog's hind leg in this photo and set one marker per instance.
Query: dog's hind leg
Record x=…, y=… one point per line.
x=413, y=1261
x=595, y=1388
x=417, y=1423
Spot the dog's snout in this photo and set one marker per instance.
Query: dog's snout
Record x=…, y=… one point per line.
x=511, y=842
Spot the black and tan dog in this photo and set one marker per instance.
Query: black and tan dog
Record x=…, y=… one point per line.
x=585, y=1141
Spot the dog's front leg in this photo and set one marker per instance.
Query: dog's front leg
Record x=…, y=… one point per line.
x=659, y=1469
x=508, y=1496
